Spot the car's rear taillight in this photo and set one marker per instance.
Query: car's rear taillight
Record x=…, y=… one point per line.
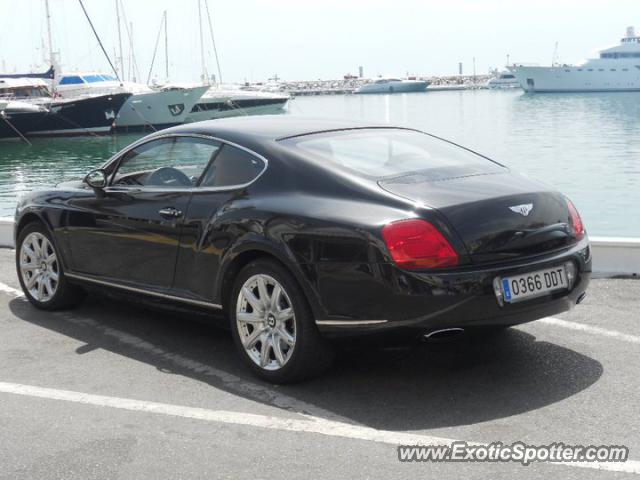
x=576, y=221
x=416, y=244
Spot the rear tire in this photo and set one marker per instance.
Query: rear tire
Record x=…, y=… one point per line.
x=40, y=270
x=273, y=327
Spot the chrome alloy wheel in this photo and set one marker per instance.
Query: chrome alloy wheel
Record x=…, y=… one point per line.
x=39, y=267
x=266, y=322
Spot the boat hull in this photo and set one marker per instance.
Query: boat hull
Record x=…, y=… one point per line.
x=578, y=79
x=212, y=108
x=393, y=87
x=84, y=116
x=151, y=111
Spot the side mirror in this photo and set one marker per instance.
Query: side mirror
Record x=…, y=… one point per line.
x=96, y=179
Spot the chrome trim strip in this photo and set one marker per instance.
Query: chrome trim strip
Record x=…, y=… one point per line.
x=349, y=323
x=143, y=291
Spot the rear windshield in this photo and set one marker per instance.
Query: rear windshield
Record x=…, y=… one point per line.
x=388, y=152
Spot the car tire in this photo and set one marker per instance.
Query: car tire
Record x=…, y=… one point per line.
x=40, y=270
x=278, y=340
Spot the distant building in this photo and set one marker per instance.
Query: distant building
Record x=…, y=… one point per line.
x=360, y=72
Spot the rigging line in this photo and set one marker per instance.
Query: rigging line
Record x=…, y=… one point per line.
x=99, y=41
x=3, y=116
x=213, y=41
x=135, y=70
x=155, y=50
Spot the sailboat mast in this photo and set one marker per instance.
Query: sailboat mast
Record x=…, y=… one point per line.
x=134, y=68
x=166, y=48
x=46, y=5
x=205, y=78
x=51, y=59
x=120, y=40
x=213, y=41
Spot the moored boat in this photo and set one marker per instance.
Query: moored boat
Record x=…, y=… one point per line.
x=616, y=70
x=29, y=110
x=221, y=103
x=393, y=85
x=146, y=109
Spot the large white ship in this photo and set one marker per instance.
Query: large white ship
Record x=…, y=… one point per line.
x=616, y=70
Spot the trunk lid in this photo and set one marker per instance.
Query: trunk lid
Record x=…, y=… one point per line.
x=499, y=216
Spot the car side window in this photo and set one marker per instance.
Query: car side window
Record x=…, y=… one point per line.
x=232, y=166
x=166, y=163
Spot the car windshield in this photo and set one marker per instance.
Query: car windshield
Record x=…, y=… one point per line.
x=388, y=152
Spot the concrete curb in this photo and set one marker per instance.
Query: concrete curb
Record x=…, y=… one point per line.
x=6, y=232
x=612, y=256
x=616, y=256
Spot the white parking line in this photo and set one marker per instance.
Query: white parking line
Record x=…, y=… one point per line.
x=310, y=425
x=267, y=394
x=557, y=322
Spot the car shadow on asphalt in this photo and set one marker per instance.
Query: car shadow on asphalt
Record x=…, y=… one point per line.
x=471, y=380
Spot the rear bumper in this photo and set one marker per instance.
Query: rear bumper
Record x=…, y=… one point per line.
x=379, y=299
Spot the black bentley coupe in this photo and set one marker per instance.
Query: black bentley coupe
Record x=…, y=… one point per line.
x=299, y=230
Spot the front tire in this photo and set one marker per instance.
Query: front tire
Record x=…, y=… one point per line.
x=40, y=270
x=273, y=327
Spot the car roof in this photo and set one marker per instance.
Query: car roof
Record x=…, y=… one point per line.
x=267, y=127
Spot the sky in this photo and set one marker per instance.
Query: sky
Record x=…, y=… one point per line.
x=308, y=40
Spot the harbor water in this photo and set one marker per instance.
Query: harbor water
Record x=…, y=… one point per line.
x=586, y=145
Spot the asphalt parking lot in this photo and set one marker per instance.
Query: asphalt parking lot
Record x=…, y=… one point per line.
x=110, y=390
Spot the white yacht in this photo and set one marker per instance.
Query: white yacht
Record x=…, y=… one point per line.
x=503, y=80
x=220, y=102
x=616, y=70
x=146, y=108
x=393, y=85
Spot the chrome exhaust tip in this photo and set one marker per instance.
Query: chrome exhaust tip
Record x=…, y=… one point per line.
x=443, y=334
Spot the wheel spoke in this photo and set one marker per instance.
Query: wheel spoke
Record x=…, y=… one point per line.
x=48, y=286
x=253, y=301
x=286, y=336
x=248, y=317
x=275, y=298
x=264, y=351
x=30, y=282
x=37, y=248
x=286, y=314
x=277, y=350
x=28, y=266
x=264, y=294
x=41, y=289
x=53, y=275
x=29, y=251
x=250, y=341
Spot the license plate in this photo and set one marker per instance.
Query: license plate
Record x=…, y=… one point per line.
x=533, y=284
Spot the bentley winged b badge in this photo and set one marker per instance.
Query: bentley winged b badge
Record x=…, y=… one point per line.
x=523, y=209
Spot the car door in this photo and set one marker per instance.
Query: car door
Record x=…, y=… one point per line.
x=214, y=220
x=129, y=232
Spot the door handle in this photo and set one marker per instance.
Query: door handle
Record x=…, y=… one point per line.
x=170, y=212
